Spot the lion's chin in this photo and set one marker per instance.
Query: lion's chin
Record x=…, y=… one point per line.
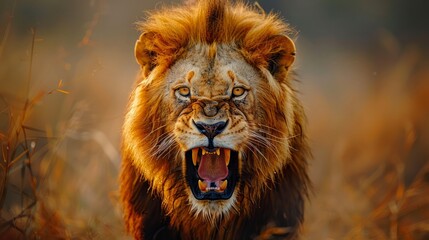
x=212, y=210
x=211, y=174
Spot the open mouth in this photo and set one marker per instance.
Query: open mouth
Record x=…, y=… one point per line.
x=212, y=174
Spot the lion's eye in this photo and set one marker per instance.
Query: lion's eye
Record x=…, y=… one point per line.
x=238, y=91
x=184, y=91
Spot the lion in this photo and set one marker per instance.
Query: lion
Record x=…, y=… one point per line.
x=214, y=143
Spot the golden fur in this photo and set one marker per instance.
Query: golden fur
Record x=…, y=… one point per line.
x=211, y=47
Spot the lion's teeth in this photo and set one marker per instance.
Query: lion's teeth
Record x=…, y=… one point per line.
x=195, y=156
x=204, y=152
x=227, y=156
x=223, y=185
x=202, y=185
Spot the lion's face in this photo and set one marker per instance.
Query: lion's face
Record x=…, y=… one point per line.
x=212, y=92
x=218, y=119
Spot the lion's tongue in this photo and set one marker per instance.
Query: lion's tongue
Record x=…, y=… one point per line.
x=213, y=167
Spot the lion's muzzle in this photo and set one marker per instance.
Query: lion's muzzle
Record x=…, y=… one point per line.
x=210, y=131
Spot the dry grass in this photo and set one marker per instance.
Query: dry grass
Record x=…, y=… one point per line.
x=59, y=161
x=372, y=167
x=23, y=160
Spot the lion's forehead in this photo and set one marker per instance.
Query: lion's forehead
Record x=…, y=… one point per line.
x=211, y=74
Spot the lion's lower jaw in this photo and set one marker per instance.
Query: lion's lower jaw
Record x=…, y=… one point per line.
x=212, y=210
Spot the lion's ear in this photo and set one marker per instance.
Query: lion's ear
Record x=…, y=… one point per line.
x=146, y=52
x=281, y=55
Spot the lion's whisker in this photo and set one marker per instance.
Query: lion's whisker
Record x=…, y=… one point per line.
x=255, y=148
x=276, y=137
x=155, y=130
x=269, y=127
x=265, y=142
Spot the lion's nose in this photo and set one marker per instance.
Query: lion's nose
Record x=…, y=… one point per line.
x=210, y=107
x=211, y=130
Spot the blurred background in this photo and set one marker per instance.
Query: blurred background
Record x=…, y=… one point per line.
x=67, y=68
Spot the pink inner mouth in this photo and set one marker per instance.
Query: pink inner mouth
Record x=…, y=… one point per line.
x=213, y=167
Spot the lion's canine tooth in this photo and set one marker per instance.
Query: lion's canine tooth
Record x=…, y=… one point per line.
x=227, y=155
x=202, y=185
x=218, y=151
x=195, y=156
x=223, y=185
